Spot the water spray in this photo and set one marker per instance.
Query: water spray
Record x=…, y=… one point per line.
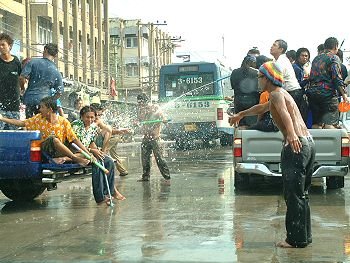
x=189, y=92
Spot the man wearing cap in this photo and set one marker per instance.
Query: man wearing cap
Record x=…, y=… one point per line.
x=244, y=83
x=297, y=155
x=151, y=141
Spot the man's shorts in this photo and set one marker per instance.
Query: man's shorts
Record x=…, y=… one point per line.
x=48, y=147
x=324, y=107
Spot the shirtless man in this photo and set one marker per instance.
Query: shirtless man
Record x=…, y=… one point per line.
x=297, y=156
x=151, y=141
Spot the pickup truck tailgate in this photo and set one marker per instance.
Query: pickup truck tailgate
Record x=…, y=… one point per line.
x=261, y=146
x=266, y=146
x=15, y=155
x=328, y=144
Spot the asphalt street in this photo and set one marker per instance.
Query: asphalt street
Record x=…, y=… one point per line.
x=198, y=217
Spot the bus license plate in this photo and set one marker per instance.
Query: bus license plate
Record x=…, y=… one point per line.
x=190, y=127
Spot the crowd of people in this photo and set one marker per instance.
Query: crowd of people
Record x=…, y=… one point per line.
x=317, y=87
x=38, y=84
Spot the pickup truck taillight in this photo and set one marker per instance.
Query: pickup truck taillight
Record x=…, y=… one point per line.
x=220, y=114
x=345, y=147
x=35, y=151
x=237, y=147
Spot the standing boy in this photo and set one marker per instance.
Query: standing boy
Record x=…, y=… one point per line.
x=10, y=69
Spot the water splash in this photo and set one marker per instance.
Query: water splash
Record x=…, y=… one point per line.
x=171, y=102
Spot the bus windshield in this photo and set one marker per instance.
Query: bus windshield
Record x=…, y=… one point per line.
x=198, y=84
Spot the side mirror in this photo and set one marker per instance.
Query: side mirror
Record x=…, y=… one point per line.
x=230, y=111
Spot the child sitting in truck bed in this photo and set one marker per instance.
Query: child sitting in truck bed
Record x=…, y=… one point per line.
x=86, y=129
x=55, y=131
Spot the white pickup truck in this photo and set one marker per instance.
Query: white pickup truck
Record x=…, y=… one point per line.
x=258, y=153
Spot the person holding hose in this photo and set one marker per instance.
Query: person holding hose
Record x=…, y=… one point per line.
x=86, y=130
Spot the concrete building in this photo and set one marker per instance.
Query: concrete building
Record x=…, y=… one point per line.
x=137, y=51
x=79, y=27
x=13, y=22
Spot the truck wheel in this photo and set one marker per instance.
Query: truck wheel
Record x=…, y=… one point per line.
x=241, y=181
x=22, y=190
x=335, y=182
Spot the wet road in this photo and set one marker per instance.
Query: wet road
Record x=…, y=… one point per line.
x=197, y=218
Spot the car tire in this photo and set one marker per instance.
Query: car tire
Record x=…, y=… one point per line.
x=241, y=181
x=335, y=182
x=22, y=190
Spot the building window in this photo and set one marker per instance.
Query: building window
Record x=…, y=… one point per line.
x=71, y=32
x=44, y=30
x=131, y=42
x=132, y=70
x=80, y=46
x=61, y=27
x=95, y=48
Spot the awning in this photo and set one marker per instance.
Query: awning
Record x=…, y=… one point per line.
x=68, y=82
x=91, y=90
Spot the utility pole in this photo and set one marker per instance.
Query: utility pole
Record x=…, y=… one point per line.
x=150, y=53
x=28, y=31
x=121, y=61
x=139, y=43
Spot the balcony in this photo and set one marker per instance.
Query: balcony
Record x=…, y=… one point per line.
x=16, y=8
x=42, y=8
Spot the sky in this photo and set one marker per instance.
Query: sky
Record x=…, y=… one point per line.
x=227, y=29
